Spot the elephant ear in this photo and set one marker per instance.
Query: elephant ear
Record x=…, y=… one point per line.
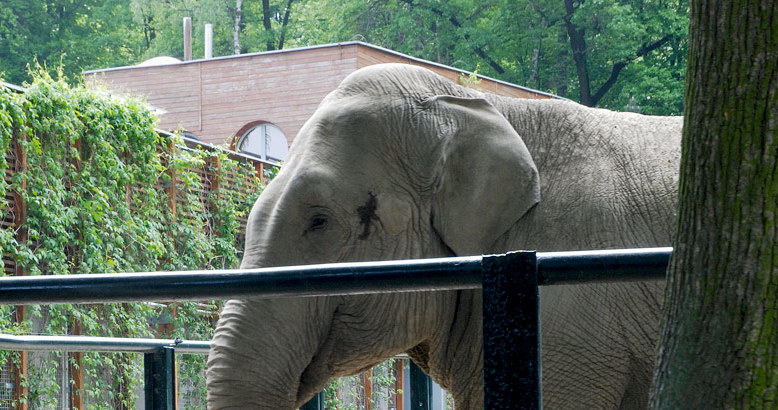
x=487, y=179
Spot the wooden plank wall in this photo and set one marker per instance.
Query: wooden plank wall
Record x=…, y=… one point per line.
x=177, y=90
x=215, y=98
x=369, y=56
x=11, y=211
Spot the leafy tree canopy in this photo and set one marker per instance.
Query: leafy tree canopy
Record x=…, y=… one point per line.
x=618, y=54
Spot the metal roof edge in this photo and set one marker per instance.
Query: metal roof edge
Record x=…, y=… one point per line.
x=204, y=60
x=448, y=67
x=14, y=87
x=191, y=143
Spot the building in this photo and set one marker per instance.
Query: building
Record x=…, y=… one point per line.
x=256, y=103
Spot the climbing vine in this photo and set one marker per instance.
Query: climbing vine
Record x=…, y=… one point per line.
x=105, y=192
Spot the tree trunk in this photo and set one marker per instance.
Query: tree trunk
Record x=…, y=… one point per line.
x=577, y=38
x=535, y=62
x=719, y=340
x=236, y=27
x=266, y=24
x=578, y=45
x=478, y=50
x=285, y=22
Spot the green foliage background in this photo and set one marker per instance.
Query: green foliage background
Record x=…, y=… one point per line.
x=95, y=191
x=617, y=54
x=100, y=205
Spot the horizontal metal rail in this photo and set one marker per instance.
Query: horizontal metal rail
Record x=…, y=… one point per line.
x=325, y=280
x=156, y=372
x=312, y=280
x=509, y=282
x=99, y=344
x=61, y=343
x=602, y=266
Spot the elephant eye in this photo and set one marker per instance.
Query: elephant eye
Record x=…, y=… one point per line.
x=318, y=222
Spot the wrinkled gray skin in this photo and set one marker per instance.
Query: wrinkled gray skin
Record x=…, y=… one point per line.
x=401, y=163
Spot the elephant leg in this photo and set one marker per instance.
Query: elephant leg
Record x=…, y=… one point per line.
x=454, y=355
x=262, y=348
x=598, y=345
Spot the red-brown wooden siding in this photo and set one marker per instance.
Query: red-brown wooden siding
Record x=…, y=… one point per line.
x=215, y=98
x=369, y=56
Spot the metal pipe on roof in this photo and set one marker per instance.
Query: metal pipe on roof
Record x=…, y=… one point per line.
x=187, y=38
x=208, y=41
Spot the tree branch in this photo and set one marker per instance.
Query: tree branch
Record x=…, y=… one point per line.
x=644, y=50
x=578, y=46
x=606, y=86
x=549, y=21
x=266, y=24
x=480, y=9
x=453, y=20
x=284, y=24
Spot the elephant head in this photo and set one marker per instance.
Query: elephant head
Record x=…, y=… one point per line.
x=381, y=171
x=390, y=174
x=396, y=163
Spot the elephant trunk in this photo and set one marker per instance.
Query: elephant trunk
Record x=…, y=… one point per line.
x=243, y=374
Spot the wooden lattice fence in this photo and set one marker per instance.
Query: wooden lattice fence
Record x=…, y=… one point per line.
x=185, y=200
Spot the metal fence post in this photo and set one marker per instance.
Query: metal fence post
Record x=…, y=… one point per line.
x=511, y=332
x=160, y=377
x=421, y=388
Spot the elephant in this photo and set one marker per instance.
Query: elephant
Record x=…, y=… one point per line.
x=400, y=163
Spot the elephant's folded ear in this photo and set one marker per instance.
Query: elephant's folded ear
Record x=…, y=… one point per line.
x=487, y=178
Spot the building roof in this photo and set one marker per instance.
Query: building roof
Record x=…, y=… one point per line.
x=170, y=61
x=220, y=100
x=16, y=88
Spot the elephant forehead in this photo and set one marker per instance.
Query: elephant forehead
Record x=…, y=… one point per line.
x=352, y=139
x=311, y=185
x=331, y=186
x=359, y=113
x=345, y=111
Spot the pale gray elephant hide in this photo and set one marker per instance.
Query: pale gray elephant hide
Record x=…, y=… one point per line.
x=400, y=163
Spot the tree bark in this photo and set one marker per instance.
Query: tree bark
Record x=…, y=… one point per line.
x=578, y=45
x=266, y=24
x=719, y=339
x=285, y=22
x=236, y=26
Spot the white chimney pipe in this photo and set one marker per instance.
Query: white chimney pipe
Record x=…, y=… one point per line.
x=208, y=41
x=187, y=38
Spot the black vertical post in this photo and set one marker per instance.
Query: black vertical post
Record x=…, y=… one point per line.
x=421, y=388
x=315, y=403
x=160, y=377
x=511, y=332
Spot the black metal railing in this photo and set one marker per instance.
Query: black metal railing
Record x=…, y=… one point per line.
x=509, y=282
x=158, y=357
x=159, y=361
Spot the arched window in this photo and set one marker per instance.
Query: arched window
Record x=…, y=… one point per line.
x=264, y=140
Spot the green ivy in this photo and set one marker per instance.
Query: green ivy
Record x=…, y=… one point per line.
x=98, y=189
